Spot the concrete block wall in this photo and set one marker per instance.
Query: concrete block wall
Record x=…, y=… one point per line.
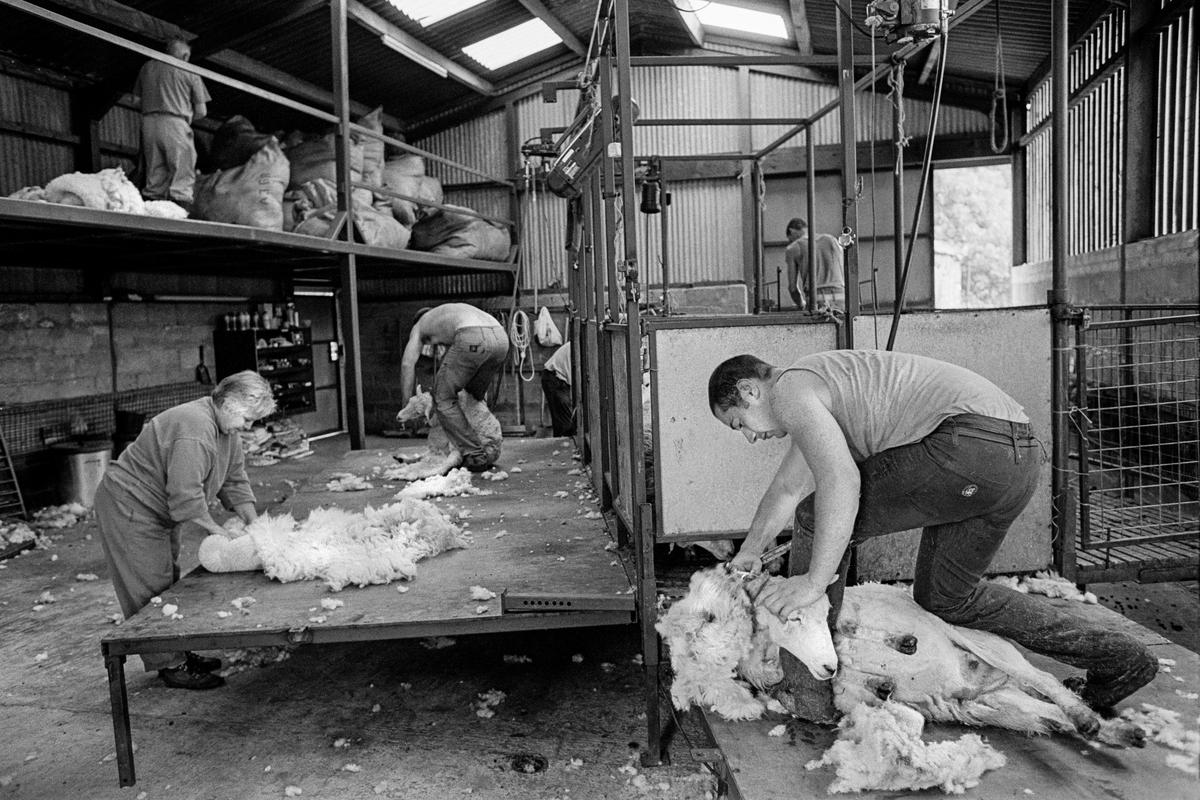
x=51, y=351
x=1165, y=269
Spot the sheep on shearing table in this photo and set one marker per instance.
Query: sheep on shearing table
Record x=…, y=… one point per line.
x=886, y=647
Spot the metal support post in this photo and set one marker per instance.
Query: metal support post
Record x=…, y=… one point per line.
x=897, y=199
x=845, y=49
x=666, y=271
x=347, y=268
x=1060, y=374
x=810, y=197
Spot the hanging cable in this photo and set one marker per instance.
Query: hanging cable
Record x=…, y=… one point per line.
x=999, y=92
x=926, y=164
x=518, y=337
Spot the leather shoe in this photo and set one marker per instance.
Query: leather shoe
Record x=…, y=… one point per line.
x=185, y=677
x=200, y=663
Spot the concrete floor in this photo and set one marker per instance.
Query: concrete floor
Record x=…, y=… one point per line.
x=400, y=712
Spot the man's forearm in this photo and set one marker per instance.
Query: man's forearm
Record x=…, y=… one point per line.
x=774, y=512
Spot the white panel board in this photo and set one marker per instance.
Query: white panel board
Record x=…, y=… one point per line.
x=1011, y=348
x=710, y=478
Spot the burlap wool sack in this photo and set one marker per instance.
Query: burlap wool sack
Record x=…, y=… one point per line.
x=251, y=194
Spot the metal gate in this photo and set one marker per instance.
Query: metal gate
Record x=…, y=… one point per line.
x=1134, y=392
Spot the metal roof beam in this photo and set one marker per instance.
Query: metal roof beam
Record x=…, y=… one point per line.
x=688, y=19
x=378, y=25
x=800, y=26
x=539, y=10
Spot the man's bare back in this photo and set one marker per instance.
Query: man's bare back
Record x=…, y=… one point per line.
x=438, y=325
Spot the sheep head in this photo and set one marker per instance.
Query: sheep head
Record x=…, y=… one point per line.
x=418, y=409
x=807, y=636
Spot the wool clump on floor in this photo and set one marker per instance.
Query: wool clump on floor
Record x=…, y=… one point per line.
x=376, y=545
x=880, y=748
x=1163, y=726
x=454, y=483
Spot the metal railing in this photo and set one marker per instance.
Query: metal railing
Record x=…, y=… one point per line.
x=1135, y=396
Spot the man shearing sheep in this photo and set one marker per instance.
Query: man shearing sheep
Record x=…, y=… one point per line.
x=183, y=459
x=476, y=346
x=884, y=442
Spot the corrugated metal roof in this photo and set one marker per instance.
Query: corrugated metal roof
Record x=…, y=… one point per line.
x=295, y=39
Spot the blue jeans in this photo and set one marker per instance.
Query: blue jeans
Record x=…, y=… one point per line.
x=964, y=484
x=470, y=363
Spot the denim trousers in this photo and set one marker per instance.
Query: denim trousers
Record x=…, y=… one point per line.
x=470, y=363
x=964, y=484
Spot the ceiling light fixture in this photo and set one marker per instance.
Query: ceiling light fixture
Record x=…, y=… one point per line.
x=413, y=55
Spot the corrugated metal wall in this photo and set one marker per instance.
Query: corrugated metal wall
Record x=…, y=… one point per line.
x=706, y=215
x=28, y=161
x=1177, y=207
x=1096, y=140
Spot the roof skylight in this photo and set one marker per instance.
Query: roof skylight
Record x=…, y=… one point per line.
x=504, y=48
x=742, y=20
x=427, y=12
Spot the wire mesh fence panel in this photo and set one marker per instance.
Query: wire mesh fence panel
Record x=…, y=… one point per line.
x=1136, y=395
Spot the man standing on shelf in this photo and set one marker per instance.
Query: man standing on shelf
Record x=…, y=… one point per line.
x=184, y=459
x=830, y=285
x=476, y=346
x=171, y=99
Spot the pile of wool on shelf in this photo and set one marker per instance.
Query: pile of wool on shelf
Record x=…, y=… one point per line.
x=375, y=545
x=267, y=443
x=41, y=522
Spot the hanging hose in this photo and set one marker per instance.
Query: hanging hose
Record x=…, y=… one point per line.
x=518, y=337
x=999, y=94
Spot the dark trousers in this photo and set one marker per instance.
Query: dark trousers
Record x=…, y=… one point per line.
x=964, y=484
x=470, y=363
x=559, y=401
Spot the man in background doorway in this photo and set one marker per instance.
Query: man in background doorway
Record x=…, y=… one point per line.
x=556, y=386
x=171, y=100
x=830, y=285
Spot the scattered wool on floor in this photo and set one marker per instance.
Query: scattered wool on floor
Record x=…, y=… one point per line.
x=1048, y=583
x=67, y=515
x=236, y=661
x=454, y=483
x=375, y=545
x=347, y=482
x=880, y=749
x=1163, y=726
x=481, y=593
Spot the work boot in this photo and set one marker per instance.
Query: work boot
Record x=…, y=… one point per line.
x=186, y=677
x=1102, y=693
x=200, y=663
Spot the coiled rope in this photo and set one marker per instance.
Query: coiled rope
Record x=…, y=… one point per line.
x=518, y=336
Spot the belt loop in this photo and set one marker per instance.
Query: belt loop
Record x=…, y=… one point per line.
x=1012, y=430
x=954, y=431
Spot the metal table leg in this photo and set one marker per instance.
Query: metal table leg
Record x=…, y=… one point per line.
x=120, y=716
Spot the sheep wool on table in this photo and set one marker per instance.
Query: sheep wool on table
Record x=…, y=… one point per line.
x=375, y=545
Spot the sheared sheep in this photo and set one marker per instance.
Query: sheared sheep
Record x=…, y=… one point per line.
x=886, y=647
x=440, y=454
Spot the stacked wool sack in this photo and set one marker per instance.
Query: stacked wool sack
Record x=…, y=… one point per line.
x=447, y=231
x=248, y=181
x=310, y=204
x=376, y=545
x=106, y=190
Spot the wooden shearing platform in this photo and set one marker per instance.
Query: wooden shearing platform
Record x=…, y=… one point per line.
x=762, y=767
x=550, y=555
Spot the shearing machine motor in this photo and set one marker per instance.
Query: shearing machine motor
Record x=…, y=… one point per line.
x=909, y=20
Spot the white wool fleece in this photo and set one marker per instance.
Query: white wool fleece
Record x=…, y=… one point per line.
x=376, y=545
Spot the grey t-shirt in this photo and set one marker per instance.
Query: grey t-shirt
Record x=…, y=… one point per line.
x=180, y=463
x=884, y=399
x=166, y=89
